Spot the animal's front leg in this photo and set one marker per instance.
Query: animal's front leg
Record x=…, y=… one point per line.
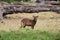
x=32, y=27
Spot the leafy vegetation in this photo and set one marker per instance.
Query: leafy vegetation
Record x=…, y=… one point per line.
x=27, y=34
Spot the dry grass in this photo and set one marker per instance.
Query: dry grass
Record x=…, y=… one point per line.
x=46, y=21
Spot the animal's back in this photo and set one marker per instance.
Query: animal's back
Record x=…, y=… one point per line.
x=27, y=21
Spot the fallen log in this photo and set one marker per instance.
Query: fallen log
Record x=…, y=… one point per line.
x=26, y=9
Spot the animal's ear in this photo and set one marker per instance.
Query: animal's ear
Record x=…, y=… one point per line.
x=33, y=16
x=37, y=16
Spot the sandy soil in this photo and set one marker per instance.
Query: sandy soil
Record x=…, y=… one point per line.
x=46, y=21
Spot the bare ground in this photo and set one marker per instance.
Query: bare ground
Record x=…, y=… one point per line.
x=46, y=21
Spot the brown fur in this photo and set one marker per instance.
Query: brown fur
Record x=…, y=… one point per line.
x=29, y=22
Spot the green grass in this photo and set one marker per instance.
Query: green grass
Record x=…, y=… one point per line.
x=26, y=34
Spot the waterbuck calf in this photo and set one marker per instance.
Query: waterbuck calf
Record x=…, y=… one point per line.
x=29, y=22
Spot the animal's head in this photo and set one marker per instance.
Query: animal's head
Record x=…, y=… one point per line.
x=35, y=17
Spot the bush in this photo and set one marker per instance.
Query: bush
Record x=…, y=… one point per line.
x=26, y=0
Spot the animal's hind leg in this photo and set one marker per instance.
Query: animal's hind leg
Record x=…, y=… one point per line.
x=21, y=25
x=24, y=26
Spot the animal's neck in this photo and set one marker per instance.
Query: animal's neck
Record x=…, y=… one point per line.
x=35, y=19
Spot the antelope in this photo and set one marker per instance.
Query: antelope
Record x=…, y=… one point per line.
x=29, y=22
